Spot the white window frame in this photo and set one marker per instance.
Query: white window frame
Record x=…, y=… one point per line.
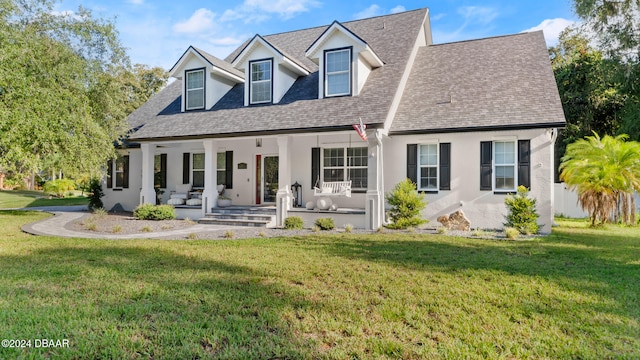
x=221, y=167
x=191, y=90
x=253, y=82
x=327, y=73
x=346, y=165
x=435, y=166
x=513, y=165
x=194, y=169
x=118, y=168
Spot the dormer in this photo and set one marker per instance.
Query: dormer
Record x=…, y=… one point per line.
x=206, y=79
x=269, y=71
x=344, y=59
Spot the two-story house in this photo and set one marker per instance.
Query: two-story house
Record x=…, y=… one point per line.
x=467, y=121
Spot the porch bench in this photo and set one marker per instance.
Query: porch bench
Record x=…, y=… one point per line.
x=333, y=188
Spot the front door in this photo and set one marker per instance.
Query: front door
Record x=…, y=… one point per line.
x=266, y=179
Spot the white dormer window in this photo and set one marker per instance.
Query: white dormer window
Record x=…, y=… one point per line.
x=194, y=89
x=337, y=72
x=261, y=85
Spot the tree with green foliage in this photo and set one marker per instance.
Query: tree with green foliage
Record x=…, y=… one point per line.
x=406, y=205
x=616, y=24
x=591, y=92
x=66, y=87
x=605, y=172
x=616, y=28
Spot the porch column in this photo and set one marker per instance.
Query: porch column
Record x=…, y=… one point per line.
x=147, y=193
x=283, y=197
x=374, y=207
x=210, y=193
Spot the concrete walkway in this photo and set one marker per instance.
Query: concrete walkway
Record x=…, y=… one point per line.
x=55, y=226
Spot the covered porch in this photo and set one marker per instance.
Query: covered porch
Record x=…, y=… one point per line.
x=261, y=171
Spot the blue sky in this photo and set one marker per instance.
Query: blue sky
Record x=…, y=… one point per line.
x=157, y=32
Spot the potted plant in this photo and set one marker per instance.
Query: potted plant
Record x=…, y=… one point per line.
x=224, y=201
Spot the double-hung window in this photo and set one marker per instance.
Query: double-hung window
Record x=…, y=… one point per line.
x=197, y=170
x=337, y=81
x=504, y=165
x=195, y=89
x=160, y=171
x=342, y=164
x=260, y=81
x=221, y=171
x=428, y=167
x=118, y=173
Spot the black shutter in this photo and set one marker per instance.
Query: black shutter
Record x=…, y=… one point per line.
x=315, y=166
x=185, y=167
x=228, y=171
x=524, y=161
x=163, y=171
x=125, y=172
x=445, y=166
x=412, y=162
x=485, y=165
x=109, y=174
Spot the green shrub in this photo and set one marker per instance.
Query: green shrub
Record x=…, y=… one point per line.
x=522, y=213
x=348, y=228
x=95, y=194
x=293, y=222
x=325, y=224
x=59, y=187
x=154, y=212
x=406, y=205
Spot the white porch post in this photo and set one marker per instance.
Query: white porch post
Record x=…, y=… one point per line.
x=210, y=193
x=147, y=193
x=283, y=197
x=374, y=207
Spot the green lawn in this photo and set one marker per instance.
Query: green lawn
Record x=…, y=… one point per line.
x=25, y=198
x=574, y=294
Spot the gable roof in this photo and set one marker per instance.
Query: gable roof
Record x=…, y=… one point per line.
x=369, y=54
x=295, y=64
x=212, y=60
x=494, y=83
x=393, y=37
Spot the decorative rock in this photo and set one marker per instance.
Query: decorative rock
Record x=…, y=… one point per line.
x=333, y=207
x=455, y=221
x=324, y=203
x=310, y=205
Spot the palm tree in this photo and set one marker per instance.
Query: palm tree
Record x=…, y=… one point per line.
x=606, y=173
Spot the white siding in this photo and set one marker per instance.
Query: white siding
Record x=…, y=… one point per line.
x=483, y=208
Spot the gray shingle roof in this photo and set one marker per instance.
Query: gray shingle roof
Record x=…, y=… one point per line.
x=220, y=63
x=300, y=109
x=500, y=82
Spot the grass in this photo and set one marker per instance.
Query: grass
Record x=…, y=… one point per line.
x=25, y=198
x=573, y=294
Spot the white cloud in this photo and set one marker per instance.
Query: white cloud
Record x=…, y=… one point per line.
x=371, y=11
x=478, y=14
x=258, y=10
x=228, y=41
x=552, y=29
x=376, y=10
x=201, y=20
x=398, y=9
x=136, y=2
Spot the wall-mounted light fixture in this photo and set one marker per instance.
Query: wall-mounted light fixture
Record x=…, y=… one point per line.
x=258, y=142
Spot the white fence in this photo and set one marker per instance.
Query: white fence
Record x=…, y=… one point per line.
x=566, y=202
